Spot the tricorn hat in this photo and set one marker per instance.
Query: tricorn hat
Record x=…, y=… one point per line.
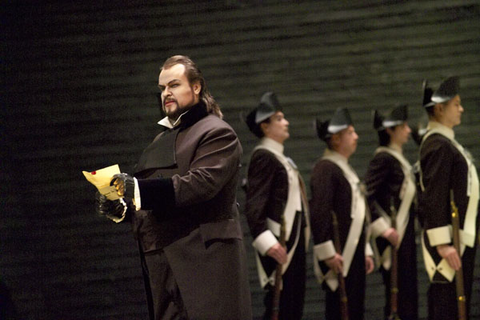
x=393, y=118
x=427, y=95
x=268, y=106
x=447, y=90
x=340, y=121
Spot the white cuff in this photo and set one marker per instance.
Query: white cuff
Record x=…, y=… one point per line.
x=440, y=235
x=368, y=250
x=264, y=242
x=379, y=226
x=137, y=201
x=324, y=250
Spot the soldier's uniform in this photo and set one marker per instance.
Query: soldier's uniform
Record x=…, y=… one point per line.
x=336, y=190
x=274, y=190
x=389, y=178
x=446, y=168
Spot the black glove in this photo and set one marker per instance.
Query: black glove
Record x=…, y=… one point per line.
x=112, y=209
x=124, y=184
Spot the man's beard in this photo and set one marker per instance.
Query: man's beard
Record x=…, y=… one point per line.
x=179, y=110
x=175, y=114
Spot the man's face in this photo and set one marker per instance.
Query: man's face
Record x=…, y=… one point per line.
x=178, y=95
x=346, y=141
x=277, y=128
x=399, y=135
x=452, y=112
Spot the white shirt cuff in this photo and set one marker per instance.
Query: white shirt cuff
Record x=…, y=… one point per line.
x=264, y=241
x=137, y=201
x=440, y=235
x=379, y=226
x=324, y=250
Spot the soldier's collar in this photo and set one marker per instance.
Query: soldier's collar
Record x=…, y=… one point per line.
x=444, y=130
x=395, y=147
x=334, y=155
x=272, y=144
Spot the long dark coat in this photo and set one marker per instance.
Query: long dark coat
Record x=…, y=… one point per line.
x=331, y=191
x=444, y=169
x=384, y=180
x=188, y=178
x=267, y=194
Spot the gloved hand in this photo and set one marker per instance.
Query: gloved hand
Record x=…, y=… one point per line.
x=124, y=184
x=112, y=209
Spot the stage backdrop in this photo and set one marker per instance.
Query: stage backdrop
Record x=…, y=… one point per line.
x=78, y=93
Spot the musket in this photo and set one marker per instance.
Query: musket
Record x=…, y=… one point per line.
x=461, y=299
x=394, y=271
x=341, y=281
x=278, y=275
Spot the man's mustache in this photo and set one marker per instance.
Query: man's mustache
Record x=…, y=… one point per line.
x=168, y=100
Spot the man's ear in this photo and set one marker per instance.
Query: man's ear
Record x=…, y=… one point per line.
x=264, y=127
x=438, y=108
x=197, y=87
x=389, y=131
x=334, y=140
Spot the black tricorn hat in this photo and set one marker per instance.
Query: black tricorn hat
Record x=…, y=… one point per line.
x=447, y=90
x=393, y=118
x=268, y=106
x=340, y=121
x=427, y=95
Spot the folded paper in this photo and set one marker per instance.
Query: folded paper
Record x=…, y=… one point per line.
x=101, y=179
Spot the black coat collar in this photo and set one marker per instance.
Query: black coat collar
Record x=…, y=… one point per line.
x=161, y=152
x=193, y=115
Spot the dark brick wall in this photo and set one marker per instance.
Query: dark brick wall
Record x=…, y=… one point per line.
x=77, y=93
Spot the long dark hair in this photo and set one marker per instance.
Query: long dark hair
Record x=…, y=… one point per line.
x=193, y=75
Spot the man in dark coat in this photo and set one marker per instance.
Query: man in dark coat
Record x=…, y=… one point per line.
x=276, y=192
x=336, y=192
x=182, y=204
x=446, y=170
x=390, y=181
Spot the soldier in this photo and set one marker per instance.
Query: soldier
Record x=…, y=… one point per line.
x=276, y=194
x=390, y=179
x=336, y=191
x=446, y=169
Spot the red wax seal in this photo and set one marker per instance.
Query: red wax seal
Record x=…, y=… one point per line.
x=94, y=172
